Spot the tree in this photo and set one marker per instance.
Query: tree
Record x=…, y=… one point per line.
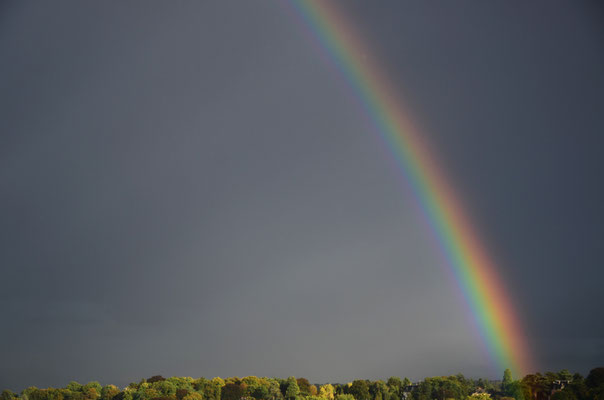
x=395, y=388
x=193, y=396
x=378, y=390
x=326, y=392
x=73, y=395
x=304, y=386
x=595, y=383
x=292, y=390
x=94, y=385
x=91, y=394
x=595, y=378
x=145, y=392
x=182, y=383
x=274, y=390
x=255, y=387
x=441, y=388
x=507, y=381
x=182, y=393
x=109, y=392
x=218, y=381
x=74, y=386
x=394, y=382
x=479, y=396
x=515, y=390
x=564, y=395
x=232, y=391
x=165, y=387
x=92, y=390
x=565, y=375
x=210, y=390
x=360, y=390
x=43, y=394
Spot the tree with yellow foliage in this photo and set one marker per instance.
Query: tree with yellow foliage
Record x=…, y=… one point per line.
x=326, y=392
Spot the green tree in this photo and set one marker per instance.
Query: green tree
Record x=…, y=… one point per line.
x=74, y=386
x=27, y=392
x=564, y=395
x=424, y=390
x=193, y=396
x=73, y=395
x=394, y=382
x=210, y=390
x=7, y=395
x=164, y=387
x=360, y=390
x=479, y=396
x=232, y=391
x=507, y=381
x=144, y=391
x=182, y=393
x=92, y=390
x=565, y=375
x=109, y=392
x=595, y=383
x=274, y=390
x=515, y=390
x=378, y=390
x=395, y=388
x=292, y=391
x=440, y=388
x=260, y=392
x=595, y=378
x=93, y=385
x=182, y=382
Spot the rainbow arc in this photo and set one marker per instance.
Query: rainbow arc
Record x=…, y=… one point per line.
x=472, y=267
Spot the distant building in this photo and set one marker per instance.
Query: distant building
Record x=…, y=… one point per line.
x=559, y=384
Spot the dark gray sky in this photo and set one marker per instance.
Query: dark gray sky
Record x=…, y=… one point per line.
x=188, y=188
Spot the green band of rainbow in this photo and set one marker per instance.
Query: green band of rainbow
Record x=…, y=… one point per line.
x=473, y=269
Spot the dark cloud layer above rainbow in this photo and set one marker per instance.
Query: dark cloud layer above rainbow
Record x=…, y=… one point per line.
x=337, y=189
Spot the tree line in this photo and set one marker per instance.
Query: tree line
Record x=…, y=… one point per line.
x=549, y=386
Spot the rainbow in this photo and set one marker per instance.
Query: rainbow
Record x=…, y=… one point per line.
x=474, y=271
